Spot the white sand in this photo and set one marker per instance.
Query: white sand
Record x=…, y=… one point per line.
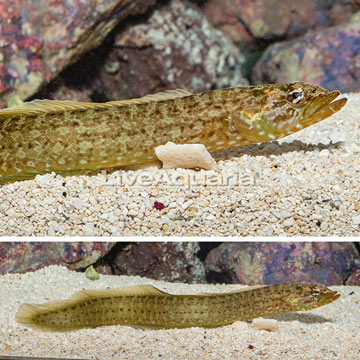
x=329, y=332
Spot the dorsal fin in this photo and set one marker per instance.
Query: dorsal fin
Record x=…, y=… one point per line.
x=137, y=290
x=234, y=291
x=166, y=95
x=37, y=107
x=160, y=96
x=248, y=288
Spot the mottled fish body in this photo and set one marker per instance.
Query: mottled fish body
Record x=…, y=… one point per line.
x=73, y=137
x=149, y=307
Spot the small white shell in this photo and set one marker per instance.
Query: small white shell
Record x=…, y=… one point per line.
x=187, y=156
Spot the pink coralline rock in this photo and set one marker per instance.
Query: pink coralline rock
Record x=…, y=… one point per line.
x=243, y=21
x=39, y=38
x=168, y=261
x=327, y=263
x=328, y=57
x=176, y=47
x=20, y=257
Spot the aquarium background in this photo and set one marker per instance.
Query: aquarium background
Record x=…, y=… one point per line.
x=99, y=50
x=248, y=263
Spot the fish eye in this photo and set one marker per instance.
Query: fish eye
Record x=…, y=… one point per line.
x=296, y=96
x=316, y=292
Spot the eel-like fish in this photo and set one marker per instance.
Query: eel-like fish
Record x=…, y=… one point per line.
x=148, y=307
x=68, y=137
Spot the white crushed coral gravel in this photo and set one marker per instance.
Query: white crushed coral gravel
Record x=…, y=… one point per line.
x=301, y=185
x=329, y=332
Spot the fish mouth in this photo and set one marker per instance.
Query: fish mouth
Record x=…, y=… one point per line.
x=322, y=107
x=330, y=297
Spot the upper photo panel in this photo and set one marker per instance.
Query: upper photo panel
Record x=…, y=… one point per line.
x=179, y=118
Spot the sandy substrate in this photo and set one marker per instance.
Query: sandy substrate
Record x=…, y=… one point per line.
x=329, y=332
x=305, y=184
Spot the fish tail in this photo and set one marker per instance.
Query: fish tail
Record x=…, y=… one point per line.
x=28, y=314
x=37, y=316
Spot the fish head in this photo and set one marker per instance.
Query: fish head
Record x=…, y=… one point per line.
x=307, y=296
x=278, y=110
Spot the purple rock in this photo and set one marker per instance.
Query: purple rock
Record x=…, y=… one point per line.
x=275, y=262
x=176, y=47
x=19, y=257
x=38, y=39
x=171, y=261
x=328, y=57
x=251, y=21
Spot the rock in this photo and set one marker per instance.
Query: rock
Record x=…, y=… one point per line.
x=176, y=47
x=89, y=230
x=243, y=21
x=319, y=51
x=289, y=222
x=273, y=263
x=210, y=217
x=104, y=269
x=324, y=226
x=30, y=212
x=38, y=40
x=45, y=179
x=285, y=214
x=20, y=257
x=354, y=278
x=78, y=203
x=112, y=218
x=51, y=231
x=104, y=216
x=186, y=204
x=172, y=261
x=133, y=213
x=180, y=200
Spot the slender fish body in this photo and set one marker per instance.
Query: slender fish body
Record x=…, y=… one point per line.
x=73, y=137
x=149, y=307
